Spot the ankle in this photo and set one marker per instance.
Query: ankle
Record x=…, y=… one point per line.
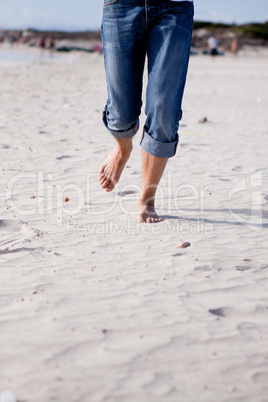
x=146, y=201
x=124, y=145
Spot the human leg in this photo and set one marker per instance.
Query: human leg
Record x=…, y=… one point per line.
x=168, y=48
x=123, y=31
x=153, y=168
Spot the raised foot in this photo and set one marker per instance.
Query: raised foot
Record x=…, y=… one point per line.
x=112, y=167
x=146, y=213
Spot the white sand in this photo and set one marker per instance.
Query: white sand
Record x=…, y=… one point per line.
x=95, y=307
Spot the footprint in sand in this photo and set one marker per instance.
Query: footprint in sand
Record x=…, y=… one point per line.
x=14, y=233
x=12, y=226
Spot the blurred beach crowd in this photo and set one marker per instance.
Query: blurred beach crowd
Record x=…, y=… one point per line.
x=208, y=38
x=53, y=40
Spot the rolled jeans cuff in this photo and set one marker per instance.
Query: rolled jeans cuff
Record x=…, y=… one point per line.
x=120, y=133
x=157, y=148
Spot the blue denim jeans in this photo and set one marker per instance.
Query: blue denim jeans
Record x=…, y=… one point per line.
x=162, y=31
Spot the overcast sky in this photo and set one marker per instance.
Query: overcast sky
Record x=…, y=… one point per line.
x=86, y=14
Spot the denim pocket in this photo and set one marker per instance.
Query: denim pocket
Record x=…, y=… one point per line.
x=109, y=2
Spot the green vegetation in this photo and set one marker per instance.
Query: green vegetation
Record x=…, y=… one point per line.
x=212, y=25
x=253, y=30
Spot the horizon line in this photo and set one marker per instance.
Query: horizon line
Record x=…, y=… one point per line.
x=67, y=28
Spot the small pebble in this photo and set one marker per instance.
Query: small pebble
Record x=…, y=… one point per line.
x=66, y=199
x=184, y=245
x=203, y=120
x=32, y=197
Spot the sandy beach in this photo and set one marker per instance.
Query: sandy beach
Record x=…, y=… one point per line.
x=98, y=308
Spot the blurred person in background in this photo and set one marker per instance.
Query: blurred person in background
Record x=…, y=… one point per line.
x=213, y=44
x=42, y=43
x=234, y=46
x=51, y=45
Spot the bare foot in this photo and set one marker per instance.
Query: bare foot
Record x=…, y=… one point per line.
x=112, y=167
x=146, y=213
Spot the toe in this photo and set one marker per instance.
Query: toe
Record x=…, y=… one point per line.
x=101, y=172
x=110, y=187
x=105, y=182
x=102, y=180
